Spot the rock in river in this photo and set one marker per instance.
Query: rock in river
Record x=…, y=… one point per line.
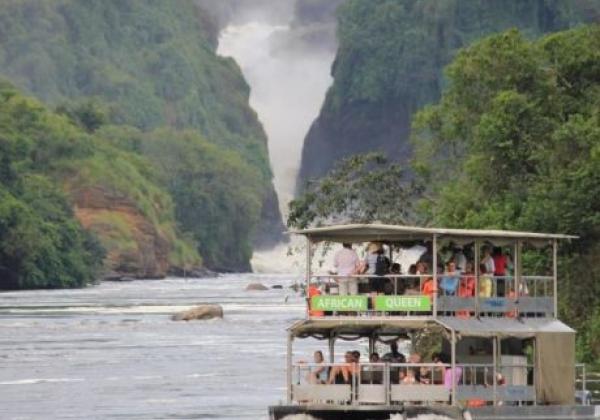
x=199, y=312
x=256, y=286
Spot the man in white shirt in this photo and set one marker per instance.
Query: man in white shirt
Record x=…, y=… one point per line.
x=460, y=259
x=346, y=263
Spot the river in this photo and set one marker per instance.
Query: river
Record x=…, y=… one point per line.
x=112, y=352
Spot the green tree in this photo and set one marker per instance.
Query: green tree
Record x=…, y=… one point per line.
x=514, y=143
x=360, y=189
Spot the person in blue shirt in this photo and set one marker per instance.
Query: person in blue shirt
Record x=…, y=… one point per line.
x=450, y=280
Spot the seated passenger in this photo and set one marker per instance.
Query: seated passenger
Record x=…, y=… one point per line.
x=410, y=377
x=318, y=375
x=450, y=280
x=343, y=374
x=372, y=375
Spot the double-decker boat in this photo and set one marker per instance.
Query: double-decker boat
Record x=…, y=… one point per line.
x=500, y=350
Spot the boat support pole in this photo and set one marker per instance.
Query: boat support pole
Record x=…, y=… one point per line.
x=477, y=246
x=332, y=348
x=435, y=279
x=555, y=275
x=290, y=339
x=308, y=264
x=495, y=367
x=453, y=367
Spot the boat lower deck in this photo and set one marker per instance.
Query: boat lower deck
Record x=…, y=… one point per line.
x=382, y=412
x=374, y=412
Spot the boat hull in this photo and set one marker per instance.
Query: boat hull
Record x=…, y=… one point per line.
x=281, y=412
x=575, y=412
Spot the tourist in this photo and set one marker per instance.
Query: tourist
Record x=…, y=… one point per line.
x=346, y=263
x=409, y=378
x=343, y=374
x=500, y=263
x=488, y=261
x=314, y=290
x=449, y=372
x=372, y=375
x=397, y=285
x=428, y=287
x=466, y=288
x=485, y=282
x=450, y=280
x=459, y=258
x=394, y=356
x=376, y=264
x=318, y=374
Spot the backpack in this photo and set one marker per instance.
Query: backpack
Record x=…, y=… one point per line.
x=381, y=265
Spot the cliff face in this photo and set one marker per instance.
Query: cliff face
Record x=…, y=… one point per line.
x=390, y=63
x=135, y=247
x=150, y=65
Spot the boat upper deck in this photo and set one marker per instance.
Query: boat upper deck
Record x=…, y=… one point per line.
x=452, y=273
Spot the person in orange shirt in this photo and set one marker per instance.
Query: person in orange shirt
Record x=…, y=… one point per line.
x=427, y=286
x=313, y=290
x=466, y=287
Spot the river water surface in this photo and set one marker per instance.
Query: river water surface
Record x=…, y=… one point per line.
x=111, y=351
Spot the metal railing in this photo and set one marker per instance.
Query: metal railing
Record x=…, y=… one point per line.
x=456, y=295
x=401, y=383
x=587, y=385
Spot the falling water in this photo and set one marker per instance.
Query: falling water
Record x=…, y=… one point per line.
x=288, y=71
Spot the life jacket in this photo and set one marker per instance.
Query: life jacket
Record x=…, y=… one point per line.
x=429, y=287
x=313, y=291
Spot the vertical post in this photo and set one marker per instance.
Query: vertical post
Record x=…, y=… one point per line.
x=476, y=257
x=435, y=279
x=453, y=367
x=555, y=275
x=515, y=280
x=371, y=346
x=332, y=348
x=535, y=369
x=583, y=381
x=517, y=266
x=290, y=338
x=495, y=367
x=308, y=263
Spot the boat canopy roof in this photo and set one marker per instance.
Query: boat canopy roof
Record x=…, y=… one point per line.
x=396, y=233
x=483, y=327
x=491, y=326
x=325, y=328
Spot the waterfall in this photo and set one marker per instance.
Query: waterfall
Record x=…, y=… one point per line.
x=287, y=65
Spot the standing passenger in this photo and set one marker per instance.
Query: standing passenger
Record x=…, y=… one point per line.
x=346, y=263
x=500, y=263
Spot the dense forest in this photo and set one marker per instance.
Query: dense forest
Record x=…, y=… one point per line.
x=513, y=143
x=390, y=60
x=176, y=154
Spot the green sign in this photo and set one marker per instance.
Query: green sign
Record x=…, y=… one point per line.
x=402, y=303
x=338, y=303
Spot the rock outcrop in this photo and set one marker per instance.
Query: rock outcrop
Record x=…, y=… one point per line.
x=199, y=312
x=256, y=286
